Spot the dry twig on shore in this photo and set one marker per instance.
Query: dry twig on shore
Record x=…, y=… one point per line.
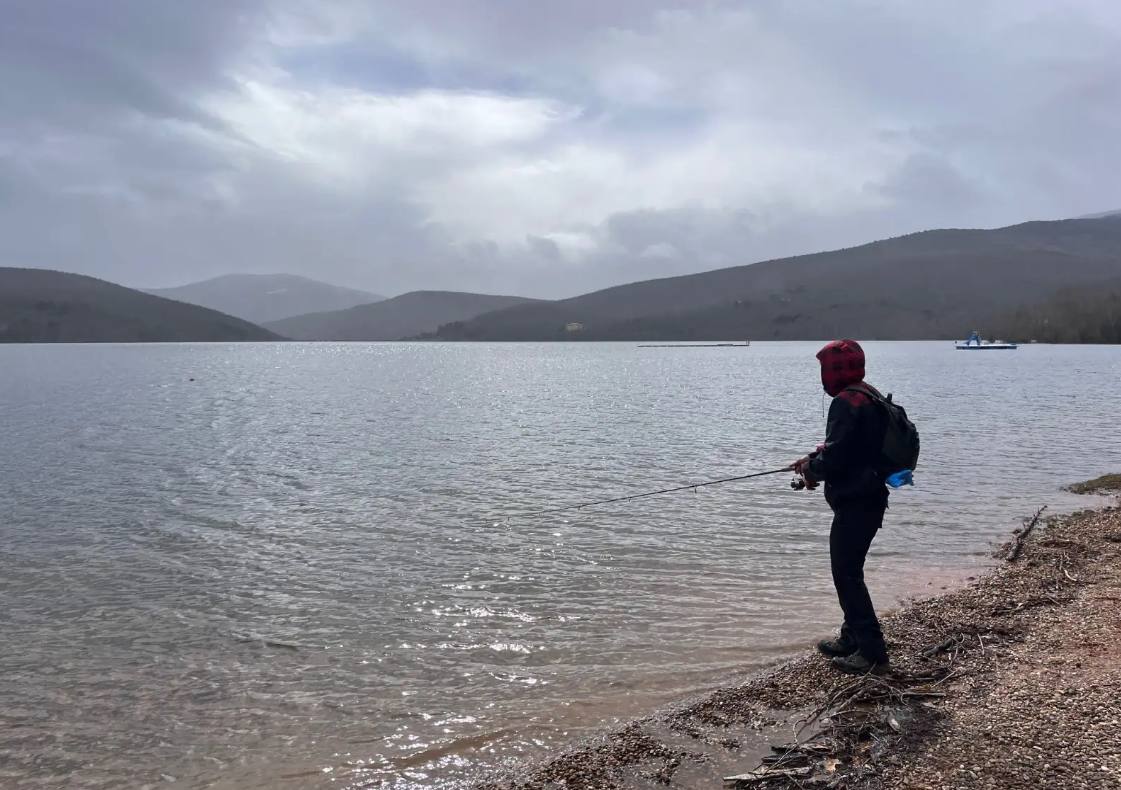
x=1018, y=543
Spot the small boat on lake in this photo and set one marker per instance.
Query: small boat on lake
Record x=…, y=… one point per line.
x=975, y=343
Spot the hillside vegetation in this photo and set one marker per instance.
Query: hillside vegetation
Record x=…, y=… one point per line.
x=934, y=284
x=1073, y=315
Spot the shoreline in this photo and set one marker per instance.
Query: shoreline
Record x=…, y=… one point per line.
x=1008, y=682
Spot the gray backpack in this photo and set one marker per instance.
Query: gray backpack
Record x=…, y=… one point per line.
x=901, y=439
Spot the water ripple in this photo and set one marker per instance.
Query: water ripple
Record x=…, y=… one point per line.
x=307, y=567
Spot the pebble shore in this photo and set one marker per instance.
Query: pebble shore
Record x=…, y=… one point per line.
x=1012, y=682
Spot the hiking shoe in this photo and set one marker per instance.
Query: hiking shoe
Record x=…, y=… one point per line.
x=857, y=664
x=841, y=646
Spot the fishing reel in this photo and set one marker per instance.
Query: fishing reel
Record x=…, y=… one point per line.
x=800, y=483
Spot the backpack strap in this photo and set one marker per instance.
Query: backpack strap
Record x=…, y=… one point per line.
x=883, y=406
x=869, y=391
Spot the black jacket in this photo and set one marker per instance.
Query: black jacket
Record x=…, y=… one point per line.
x=849, y=463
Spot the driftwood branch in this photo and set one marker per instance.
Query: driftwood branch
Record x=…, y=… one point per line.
x=1018, y=543
x=941, y=647
x=1046, y=599
x=763, y=775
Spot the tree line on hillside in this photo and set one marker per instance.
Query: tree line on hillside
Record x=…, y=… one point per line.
x=1073, y=315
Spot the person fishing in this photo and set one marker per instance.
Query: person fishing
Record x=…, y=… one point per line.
x=855, y=463
x=870, y=444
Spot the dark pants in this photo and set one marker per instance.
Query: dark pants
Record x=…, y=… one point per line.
x=854, y=526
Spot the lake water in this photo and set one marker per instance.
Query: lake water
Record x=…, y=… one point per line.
x=302, y=565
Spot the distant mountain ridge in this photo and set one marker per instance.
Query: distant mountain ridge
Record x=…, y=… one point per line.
x=42, y=305
x=932, y=284
x=399, y=318
x=1025, y=278
x=266, y=297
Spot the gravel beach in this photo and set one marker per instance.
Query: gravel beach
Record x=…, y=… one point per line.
x=1012, y=682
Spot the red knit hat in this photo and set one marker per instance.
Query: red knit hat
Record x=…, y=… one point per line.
x=842, y=365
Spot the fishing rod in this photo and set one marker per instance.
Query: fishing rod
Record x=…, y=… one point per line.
x=693, y=487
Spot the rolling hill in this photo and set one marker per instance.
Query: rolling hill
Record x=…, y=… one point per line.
x=40, y=305
x=266, y=297
x=933, y=284
x=401, y=317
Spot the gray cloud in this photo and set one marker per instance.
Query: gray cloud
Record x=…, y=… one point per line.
x=72, y=63
x=928, y=179
x=543, y=149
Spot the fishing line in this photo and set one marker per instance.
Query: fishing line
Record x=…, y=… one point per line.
x=694, y=486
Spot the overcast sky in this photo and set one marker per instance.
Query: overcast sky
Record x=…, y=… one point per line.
x=533, y=147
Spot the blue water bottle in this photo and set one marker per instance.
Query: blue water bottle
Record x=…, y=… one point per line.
x=904, y=477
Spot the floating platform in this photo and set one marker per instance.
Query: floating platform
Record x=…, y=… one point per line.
x=986, y=347
x=695, y=345
x=975, y=343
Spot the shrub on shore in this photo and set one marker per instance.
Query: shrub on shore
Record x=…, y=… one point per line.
x=1099, y=485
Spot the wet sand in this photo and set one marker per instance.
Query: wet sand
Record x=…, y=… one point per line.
x=1009, y=682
